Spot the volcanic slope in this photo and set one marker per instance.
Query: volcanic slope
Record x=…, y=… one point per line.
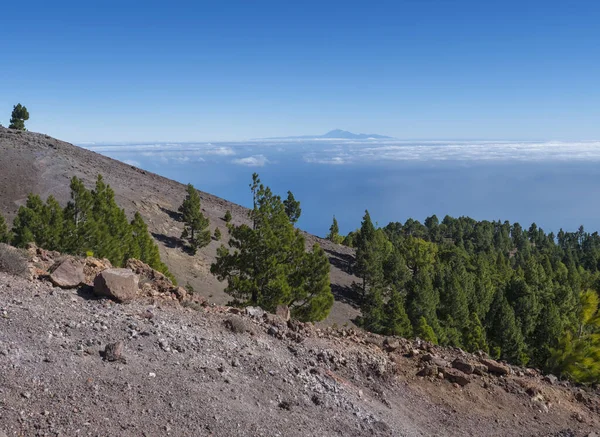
x=38, y=163
x=209, y=371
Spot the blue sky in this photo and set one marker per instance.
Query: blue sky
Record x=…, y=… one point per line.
x=195, y=71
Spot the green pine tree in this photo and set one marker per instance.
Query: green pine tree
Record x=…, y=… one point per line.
x=292, y=208
x=373, y=311
x=311, y=298
x=268, y=264
x=396, y=321
x=5, y=235
x=577, y=355
x=504, y=333
x=195, y=230
x=425, y=332
x=334, y=233
x=475, y=335
x=227, y=216
x=39, y=223
x=112, y=229
x=18, y=117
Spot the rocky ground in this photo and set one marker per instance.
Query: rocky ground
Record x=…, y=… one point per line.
x=37, y=163
x=75, y=364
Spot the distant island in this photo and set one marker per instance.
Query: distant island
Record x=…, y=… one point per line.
x=336, y=134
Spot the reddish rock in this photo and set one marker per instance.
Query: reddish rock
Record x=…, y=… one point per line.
x=118, y=284
x=456, y=376
x=495, y=366
x=463, y=366
x=68, y=274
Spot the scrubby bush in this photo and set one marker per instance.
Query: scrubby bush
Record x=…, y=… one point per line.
x=228, y=216
x=13, y=261
x=237, y=325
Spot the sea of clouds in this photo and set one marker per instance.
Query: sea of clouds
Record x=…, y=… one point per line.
x=338, y=152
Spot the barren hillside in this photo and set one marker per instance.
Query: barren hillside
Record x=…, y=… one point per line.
x=31, y=162
x=214, y=371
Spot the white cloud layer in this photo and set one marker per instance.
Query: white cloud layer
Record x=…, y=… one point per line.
x=252, y=161
x=356, y=152
x=457, y=151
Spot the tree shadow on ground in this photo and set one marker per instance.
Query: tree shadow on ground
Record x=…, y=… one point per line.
x=341, y=261
x=173, y=242
x=177, y=216
x=347, y=294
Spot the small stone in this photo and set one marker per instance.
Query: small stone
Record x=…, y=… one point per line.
x=273, y=331
x=283, y=311
x=114, y=351
x=26, y=395
x=152, y=375
x=256, y=312
x=164, y=345
x=551, y=379
x=391, y=344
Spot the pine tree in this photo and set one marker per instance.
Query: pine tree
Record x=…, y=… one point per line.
x=334, y=233
x=80, y=227
x=504, y=333
x=18, y=117
x=546, y=335
x=292, y=208
x=475, y=335
x=396, y=321
x=425, y=332
x=371, y=252
x=311, y=298
x=227, y=216
x=144, y=248
x=217, y=234
x=112, y=229
x=422, y=299
x=195, y=230
x=578, y=353
x=39, y=223
x=5, y=235
x=373, y=312
x=268, y=264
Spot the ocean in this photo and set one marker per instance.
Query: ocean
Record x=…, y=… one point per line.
x=554, y=184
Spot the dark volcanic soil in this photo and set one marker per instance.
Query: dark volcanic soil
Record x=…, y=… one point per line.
x=31, y=162
x=183, y=372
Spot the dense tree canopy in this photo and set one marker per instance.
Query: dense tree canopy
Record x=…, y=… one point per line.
x=523, y=295
x=268, y=264
x=18, y=117
x=92, y=222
